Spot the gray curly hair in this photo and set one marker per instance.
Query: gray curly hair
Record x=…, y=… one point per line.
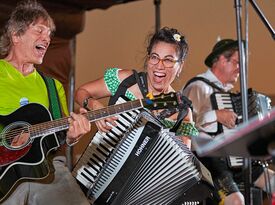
x=25, y=13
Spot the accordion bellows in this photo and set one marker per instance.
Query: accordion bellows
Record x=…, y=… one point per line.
x=149, y=166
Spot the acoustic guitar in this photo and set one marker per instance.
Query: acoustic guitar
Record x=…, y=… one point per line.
x=29, y=134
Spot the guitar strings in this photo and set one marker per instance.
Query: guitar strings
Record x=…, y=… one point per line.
x=36, y=128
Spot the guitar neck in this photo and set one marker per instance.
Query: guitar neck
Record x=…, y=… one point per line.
x=54, y=126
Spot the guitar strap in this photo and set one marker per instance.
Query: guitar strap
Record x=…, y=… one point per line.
x=54, y=103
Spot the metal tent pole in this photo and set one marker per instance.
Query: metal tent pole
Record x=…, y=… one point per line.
x=243, y=86
x=69, y=150
x=157, y=14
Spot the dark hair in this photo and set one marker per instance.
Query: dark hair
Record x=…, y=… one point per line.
x=25, y=13
x=169, y=35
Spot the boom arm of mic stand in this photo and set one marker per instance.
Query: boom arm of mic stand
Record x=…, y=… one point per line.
x=263, y=18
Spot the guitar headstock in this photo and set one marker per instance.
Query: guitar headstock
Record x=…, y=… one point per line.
x=162, y=101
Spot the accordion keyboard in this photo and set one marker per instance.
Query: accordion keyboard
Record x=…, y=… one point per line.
x=120, y=157
x=223, y=101
x=92, y=160
x=235, y=162
x=258, y=105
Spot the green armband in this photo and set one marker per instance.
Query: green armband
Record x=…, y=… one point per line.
x=188, y=129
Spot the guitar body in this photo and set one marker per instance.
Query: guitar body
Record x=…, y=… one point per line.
x=29, y=162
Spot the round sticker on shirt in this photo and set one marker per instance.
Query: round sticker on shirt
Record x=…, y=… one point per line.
x=24, y=101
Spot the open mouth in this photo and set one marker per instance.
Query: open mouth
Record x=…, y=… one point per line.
x=41, y=49
x=159, y=74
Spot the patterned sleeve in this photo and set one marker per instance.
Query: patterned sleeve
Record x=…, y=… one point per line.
x=112, y=82
x=111, y=79
x=185, y=129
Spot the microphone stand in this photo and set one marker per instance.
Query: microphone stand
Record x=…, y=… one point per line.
x=243, y=85
x=247, y=168
x=157, y=13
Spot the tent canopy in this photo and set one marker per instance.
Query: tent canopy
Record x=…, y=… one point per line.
x=69, y=15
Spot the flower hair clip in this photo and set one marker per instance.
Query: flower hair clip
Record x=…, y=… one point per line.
x=177, y=37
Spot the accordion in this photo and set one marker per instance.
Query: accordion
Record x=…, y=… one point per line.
x=112, y=159
x=149, y=166
x=258, y=105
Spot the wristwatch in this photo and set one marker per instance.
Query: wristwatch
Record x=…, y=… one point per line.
x=86, y=102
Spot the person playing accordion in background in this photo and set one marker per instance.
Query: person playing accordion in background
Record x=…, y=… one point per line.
x=223, y=73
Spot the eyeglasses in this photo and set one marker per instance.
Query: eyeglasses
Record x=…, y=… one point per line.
x=167, y=62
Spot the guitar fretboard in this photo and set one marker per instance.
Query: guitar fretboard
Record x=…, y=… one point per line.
x=62, y=124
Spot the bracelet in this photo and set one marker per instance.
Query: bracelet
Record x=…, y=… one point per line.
x=86, y=102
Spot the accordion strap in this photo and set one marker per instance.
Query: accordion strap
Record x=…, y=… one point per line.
x=139, y=78
x=213, y=85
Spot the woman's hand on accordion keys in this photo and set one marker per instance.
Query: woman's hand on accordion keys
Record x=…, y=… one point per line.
x=227, y=118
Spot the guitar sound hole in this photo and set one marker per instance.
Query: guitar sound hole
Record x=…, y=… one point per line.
x=17, y=136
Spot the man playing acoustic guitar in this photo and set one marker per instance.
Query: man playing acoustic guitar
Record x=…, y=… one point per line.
x=24, y=152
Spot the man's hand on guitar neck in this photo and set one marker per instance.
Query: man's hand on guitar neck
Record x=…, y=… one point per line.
x=79, y=125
